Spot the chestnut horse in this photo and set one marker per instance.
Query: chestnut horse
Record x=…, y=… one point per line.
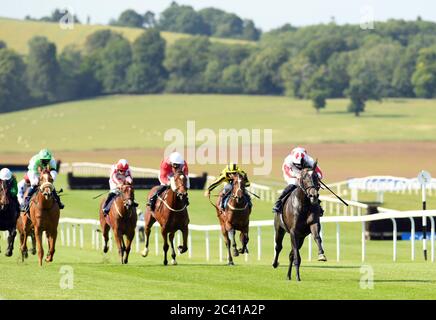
x=25, y=228
x=300, y=218
x=8, y=216
x=122, y=219
x=236, y=216
x=44, y=213
x=171, y=213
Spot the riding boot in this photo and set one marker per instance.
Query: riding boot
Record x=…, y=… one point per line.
x=58, y=199
x=108, y=203
x=152, y=202
x=26, y=203
x=278, y=206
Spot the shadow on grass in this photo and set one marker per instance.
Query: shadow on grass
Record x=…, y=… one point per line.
x=405, y=281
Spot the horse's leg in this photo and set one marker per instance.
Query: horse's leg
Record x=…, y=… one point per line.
x=165, y=245
x=23, y=244
x=149, y=221
x=106, y=228
x=296, y=255
x=51, y=243
x=315, y=230
x=118, y=240
x=297, y=258
x=33, y=238
x=243, y=236
x=38, y=236
x=173, y=252
x=228, y=245
x=11, y=238
x=291, y=262
x=279, y=234
x=129, y=239
x=184, y=247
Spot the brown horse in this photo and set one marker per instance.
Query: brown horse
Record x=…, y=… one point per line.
x=45, y=213
x=171, y=213
x=8, y=216
x=236, y=216
x=300, y=218
x=122, y=219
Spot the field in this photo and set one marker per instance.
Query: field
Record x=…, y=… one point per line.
x=394, y=137
x=16, y=34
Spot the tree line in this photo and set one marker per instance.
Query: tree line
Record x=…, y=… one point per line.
x=396, y=59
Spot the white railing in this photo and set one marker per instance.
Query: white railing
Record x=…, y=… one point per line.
x=69, y=228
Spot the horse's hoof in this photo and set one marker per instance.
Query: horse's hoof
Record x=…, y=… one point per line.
x=144, y=253
x=174, y=262
x=165, y=263
x=33, y=252
x=235, y=253
x=322, y=257
x=231, y=263
x=275, y=265
x=8, y=253
x=105, y=249
x=182, y=250
x=26, y=254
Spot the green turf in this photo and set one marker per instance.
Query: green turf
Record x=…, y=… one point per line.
x=92, y=124
x=100, y=276
x=16, y=34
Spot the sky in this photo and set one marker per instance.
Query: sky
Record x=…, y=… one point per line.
x=267, y=14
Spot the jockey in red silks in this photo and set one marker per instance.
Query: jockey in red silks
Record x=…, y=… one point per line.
x=168, y=167
x=296, y=161
x=119, y=174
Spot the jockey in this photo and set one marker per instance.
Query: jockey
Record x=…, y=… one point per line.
x=120, y=174
x=226, y=177
x=168, y=167
x=296, y=161
x=11, y=184
x=42, y=160
x=23, y=185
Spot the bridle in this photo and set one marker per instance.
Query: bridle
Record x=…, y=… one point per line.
x=238, y=194
x=175, y=187
x=313, y=184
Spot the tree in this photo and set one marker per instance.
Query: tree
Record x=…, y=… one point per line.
x=147, y=73
x=42, y=70
x=317, y=88
x=261, y=71
x=13, y=89
x=295, y=73
x=150, y=20
x=183, y=19
x=186, y=62
x=250, y=32
x=98, y=40
x=318, y=98
x=130, y=18
x=2, y=44
x=363, y=87
x=424, y=78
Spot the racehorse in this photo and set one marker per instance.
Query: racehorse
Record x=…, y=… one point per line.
x=122, y=219
x=25, y=228
x=300, y=218
x=171, y=213
x=236, y=216
x=44, y=213
x=8, y=216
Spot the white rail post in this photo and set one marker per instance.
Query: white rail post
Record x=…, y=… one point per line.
x=62, y=235
x=412, y=238
x=97, y=240
x=137, y=239
x=73, y=226
x=363, y=241
x=81, y=240
x=221, y=247
x=432, y=230
x=338, y=249
x=309, y=254
x=394, y=239
x=156, y=239
x=189, y=244
x=93, y=237
x=68, y=235
x=207, y=245
x=259, y=243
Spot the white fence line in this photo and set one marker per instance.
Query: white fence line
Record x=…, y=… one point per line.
x=66, y=223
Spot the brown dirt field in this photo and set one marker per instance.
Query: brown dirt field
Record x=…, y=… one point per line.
x=339, y=161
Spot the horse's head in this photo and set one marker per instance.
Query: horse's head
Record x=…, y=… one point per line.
x=309, y=182
x=128, y=195
x=179, y=184
x=238, y=190
x=46, y=186
x=4, y=199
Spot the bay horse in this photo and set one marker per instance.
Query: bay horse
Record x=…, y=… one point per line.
x=122, y=219
x=44, y=214
x=300, y=218
x=9, y=213
x=172, y=215
x=236, y=216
